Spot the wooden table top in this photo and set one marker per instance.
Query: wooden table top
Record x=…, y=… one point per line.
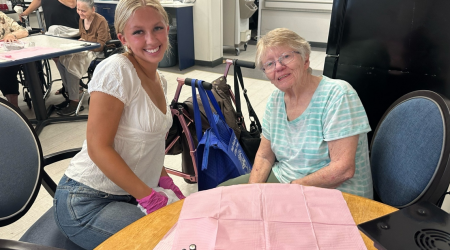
x=148, y=231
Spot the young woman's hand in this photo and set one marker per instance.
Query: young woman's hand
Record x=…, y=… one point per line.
x=152, y=202
x=167, y=183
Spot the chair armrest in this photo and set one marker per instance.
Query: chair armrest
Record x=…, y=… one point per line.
x=34, y=31
x=111, y=47
x=114, y=42
x=61, y=155
x=19, y=245
x=47, y=181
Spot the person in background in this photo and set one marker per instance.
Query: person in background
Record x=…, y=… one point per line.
x=10, y=31
x=93, y=28
x=56, y=12
x=118, y=176
x=314, y=128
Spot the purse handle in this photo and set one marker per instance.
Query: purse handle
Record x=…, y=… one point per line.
x=197, y=119
x=239, y=79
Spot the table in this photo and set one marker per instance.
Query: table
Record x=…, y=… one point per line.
x=67, y=46
x=148, y=231
x=182, y=12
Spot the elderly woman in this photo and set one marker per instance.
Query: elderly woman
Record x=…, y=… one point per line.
x=93, y=28
x=10, y=31
x=314, y=128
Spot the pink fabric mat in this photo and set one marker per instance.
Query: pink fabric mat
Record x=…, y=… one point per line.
x=265, y=216
x=27, y=52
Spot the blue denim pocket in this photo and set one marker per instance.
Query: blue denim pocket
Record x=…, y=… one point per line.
x=86, y=203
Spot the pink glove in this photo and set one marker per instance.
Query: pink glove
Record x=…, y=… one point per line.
x=167, y=183
x=152, y=202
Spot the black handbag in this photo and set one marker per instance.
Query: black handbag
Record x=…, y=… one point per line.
x=250, y=137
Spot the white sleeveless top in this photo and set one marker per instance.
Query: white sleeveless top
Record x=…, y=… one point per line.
x=140, y=137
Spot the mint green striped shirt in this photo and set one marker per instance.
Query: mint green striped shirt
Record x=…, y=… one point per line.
x=300, y=146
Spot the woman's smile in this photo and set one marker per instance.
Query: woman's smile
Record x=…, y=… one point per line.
x=282, y=77
x=152, y=51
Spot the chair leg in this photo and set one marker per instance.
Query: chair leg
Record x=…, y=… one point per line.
x=80, y=103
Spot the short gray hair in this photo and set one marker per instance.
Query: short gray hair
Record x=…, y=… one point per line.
x=282, y=37
x=90, y=3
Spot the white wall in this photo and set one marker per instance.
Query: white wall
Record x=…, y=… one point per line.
x=309, y=19
x=208, y=32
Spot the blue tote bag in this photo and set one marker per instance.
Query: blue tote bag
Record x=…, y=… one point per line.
x=219, y=155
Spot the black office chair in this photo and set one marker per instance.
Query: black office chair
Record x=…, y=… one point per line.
x=21, y=175
x=410, y=150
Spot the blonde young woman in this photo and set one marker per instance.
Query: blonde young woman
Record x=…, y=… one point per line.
x=315, y=127
x=118, y=177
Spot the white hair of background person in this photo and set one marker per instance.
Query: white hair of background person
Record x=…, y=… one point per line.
x=90, y=3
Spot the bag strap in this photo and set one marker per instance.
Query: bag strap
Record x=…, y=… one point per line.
x=251, y=112
x=207, y=107
x=197, y=118
x=237, y=96
x=202, y=92
x=215, y=104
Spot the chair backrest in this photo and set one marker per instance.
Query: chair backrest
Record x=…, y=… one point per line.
x=112, y=32
x=21, y=162
x=113, y=46
x=410, y=150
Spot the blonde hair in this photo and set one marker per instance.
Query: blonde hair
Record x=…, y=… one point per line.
x=126, y=8
x=282, y=37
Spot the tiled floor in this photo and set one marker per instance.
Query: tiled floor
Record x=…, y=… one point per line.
x=57, y=137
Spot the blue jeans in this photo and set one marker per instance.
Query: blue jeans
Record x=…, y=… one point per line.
x=88, y=216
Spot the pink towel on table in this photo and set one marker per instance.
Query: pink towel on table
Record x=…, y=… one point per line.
x=265, y=216
x=27, y=52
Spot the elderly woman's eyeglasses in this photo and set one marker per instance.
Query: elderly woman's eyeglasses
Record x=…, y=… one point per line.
x=284, y=59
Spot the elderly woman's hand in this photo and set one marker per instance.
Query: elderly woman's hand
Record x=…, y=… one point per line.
x=9, y=38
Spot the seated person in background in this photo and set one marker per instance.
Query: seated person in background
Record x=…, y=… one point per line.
x=314, y=128
x=10, y=31
x=118, y=176
x=93, y=28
